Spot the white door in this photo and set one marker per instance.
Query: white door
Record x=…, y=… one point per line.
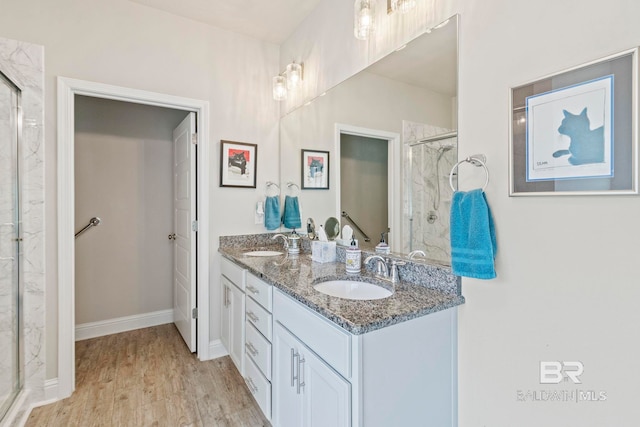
x=184, y=207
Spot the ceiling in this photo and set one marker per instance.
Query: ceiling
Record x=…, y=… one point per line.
x=269, y=20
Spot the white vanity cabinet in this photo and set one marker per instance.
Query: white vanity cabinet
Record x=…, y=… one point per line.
x=232, y=335
x=258, y=337
x=306, y=392
x=400, y=375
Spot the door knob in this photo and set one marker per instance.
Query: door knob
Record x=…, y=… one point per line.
x=172, y=236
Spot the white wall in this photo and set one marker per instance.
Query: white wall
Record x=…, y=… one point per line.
x=124, y=175
x=567, y=286
x=126, y=44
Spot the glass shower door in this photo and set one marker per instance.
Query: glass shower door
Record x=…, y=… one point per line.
x=10, y=295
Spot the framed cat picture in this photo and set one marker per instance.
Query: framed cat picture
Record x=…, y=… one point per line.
x=574, y=132
x=238, y=164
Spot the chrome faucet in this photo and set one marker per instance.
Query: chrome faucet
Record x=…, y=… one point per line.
x=386, y=269
x=284, y=240
x=415, y=253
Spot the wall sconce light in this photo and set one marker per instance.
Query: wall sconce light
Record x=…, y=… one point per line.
x=289, y=80
x=279, y=88
x=294, y=75
x=402, y=6
x=364, y=18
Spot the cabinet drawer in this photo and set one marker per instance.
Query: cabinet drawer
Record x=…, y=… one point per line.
x=260, y=291
x=258, y=348
x=258, y=317
x=327, y=340
x=233, y=272
x=259, y=387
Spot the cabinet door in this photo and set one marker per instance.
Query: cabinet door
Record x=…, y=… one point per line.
x=306, y=391
x=286, y=402
x=236, y=327
x=326, y=395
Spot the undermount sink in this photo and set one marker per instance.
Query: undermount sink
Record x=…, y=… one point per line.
x=263, y=253
x=351, y=289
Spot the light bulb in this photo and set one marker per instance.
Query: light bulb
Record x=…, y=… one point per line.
x=364, y=18
x=279, y=88
x=294, y=75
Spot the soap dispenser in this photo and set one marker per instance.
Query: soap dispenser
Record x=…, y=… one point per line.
x=353, y=257
x=383, y=247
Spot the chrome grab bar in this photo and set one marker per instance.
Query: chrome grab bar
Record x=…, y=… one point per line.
x=346, y=215
x=93, y=222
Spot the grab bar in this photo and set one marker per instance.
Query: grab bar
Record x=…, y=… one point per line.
x=346, y=215
x=93, y=222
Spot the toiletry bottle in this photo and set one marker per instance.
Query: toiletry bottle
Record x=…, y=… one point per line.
x=353, y=257
x=382, y=247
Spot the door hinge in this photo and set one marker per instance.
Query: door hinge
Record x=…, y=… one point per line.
x=194, y=226
x=194, y=313
x=194, y=138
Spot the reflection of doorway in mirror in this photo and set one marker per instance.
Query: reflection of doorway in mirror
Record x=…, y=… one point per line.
x=364, y=184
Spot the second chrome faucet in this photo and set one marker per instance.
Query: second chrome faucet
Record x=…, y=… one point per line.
x=386, y=269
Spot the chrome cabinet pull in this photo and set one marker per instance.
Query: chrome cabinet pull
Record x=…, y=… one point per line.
x=252, y=290
x=252, y=387
x=251, y=349
x=300, y=373
x=251, y=315
x=294, y=355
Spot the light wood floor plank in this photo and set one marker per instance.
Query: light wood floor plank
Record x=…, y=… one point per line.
x=148, y=377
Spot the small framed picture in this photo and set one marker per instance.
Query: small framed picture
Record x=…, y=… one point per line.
x=315, y=170
x=573, y=133
x=238, y=164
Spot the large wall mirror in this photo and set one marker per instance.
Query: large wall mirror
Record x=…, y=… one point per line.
x=390, y=132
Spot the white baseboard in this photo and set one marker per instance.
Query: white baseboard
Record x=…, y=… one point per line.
x=50, y=390
x=122, y=324
x=217, y=349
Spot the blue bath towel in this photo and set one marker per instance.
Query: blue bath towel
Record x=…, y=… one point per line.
x=291, y=214
x=473, y=239
x=272, y=212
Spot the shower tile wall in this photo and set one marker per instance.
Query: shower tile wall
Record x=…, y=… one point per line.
x=426, y=224
x=23, y=63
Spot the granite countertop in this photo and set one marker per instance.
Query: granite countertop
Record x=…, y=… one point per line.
x=296, y=275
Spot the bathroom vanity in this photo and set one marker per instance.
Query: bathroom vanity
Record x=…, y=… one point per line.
x=311, y=359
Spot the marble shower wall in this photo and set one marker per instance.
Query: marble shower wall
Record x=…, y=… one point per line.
x=23, y=63
x=427, y=195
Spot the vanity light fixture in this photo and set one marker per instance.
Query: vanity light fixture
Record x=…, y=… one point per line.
x=294, y=75
x=279, y=88
x=364, y=22
x=402, y=6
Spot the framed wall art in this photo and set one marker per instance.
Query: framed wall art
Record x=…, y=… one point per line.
x=315, y=170
x=238, y=164
x=574, y=133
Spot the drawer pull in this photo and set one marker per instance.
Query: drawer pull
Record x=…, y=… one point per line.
x=300, y=373
x=251, y=315
x=252, y=387
x=251, y=349
x=252, y=290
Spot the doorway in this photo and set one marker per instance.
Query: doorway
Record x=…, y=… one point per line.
x=67, y=90
x=387, y=181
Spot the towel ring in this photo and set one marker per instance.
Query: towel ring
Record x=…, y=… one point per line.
x=290, y=186
x=270, y=184
x=474, y=161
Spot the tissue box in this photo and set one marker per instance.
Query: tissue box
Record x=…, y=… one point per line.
x=323, y=251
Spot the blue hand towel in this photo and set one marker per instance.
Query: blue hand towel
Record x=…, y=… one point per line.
x=291, y=214
x=272, y=212
x=473, y=239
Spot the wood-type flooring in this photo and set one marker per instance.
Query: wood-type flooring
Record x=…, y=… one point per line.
x=148, y=377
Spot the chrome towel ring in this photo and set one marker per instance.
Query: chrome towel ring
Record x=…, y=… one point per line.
x=476, y=160
x=268, y=186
